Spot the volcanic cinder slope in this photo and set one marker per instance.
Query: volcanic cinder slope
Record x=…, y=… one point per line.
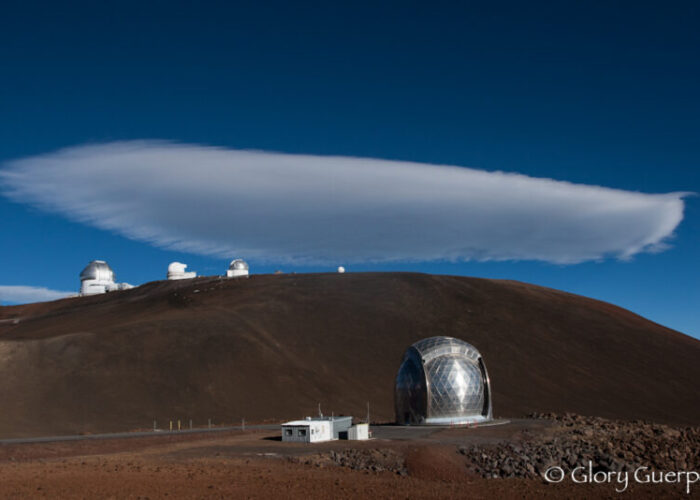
x=274, y=346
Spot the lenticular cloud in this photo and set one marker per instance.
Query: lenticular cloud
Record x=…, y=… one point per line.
x=319, y=209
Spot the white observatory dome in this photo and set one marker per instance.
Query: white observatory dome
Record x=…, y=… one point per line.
x=237, y=268
x=98, y=277
x=442, y=380
x=176, y=271
x=98, y=270
x=341, y=269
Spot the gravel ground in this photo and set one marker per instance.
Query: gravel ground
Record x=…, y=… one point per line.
x=577, y=441
x=447, y=463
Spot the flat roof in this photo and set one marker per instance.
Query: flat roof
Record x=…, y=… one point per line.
x=297, y=422
x=307, y=421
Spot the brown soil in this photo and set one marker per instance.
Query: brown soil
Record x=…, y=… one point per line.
x=248, y=465
x=273, y=347
x=434, y=462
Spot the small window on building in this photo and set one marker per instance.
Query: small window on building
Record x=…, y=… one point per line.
x=288, y=432
x=301, y=432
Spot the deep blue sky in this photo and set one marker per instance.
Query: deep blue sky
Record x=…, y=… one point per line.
x=602, y=93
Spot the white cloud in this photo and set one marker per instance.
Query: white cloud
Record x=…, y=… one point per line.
x=27, y=294
x=323, y=209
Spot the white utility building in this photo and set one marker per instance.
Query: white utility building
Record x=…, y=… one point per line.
x=176, y=271
x=314, y=430
x=98, y=277
x=237, y=268
x=306, y=431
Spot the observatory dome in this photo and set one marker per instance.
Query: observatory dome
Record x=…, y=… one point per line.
x=98, y=270
x=442, y=380
x=238, y=267
x=176, y=271
x=98, y=277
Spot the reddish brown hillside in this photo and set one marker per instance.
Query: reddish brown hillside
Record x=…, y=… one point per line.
x=275, y=346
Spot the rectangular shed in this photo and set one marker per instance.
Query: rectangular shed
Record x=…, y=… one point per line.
x=358, y=432
x=314, y=430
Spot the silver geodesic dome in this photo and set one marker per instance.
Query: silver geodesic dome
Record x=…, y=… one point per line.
x=442, y=380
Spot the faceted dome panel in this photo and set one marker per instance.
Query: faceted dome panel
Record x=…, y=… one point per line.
x=411, y=396
x=456, y=387
x=442, y=380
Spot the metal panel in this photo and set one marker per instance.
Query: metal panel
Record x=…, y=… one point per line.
x=456, y=387
x=442, y=380
x=296, y=433
x=340, y=424
x=98, y=270
x=411, y=397
x=358, y=432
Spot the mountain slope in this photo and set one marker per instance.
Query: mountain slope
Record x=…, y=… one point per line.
x=273, y=347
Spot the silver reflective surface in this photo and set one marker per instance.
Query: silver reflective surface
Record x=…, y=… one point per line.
x=456, y=387
x=433, y=347
x=411, y=396
x=97, y=270
x=239, y=264
x=442, y=380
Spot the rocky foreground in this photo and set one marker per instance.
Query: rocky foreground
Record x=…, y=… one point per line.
x=419, y=463
x=578, y=441
x=367, y=460
x=571, y=441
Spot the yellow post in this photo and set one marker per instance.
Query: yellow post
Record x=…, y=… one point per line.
x=171, y=426
x=179, y=427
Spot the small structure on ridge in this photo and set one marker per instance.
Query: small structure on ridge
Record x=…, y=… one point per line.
x=237, y=269
x=98, y=277
x=176, y=271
